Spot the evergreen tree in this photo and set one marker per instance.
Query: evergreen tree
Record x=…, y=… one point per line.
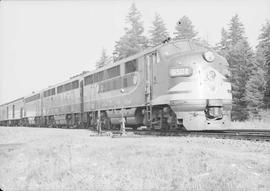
x=104, y=59
x=263, y=52
x=185, y=29
x=241, y=59
x=236, y=30
x=255, y=89
x=235, y=47
x=158, y=32
x=222, y=46
x=133, y=40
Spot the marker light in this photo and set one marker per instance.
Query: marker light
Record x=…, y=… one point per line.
x=209, y=56
x=211, y=75
x=181, y=72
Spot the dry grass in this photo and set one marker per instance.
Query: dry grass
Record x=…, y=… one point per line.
x=55, y=159
x=251, y=124
x=262, y=123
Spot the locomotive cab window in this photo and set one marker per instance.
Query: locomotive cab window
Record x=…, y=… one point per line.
x=131, y=66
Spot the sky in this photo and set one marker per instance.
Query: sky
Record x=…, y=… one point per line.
x=43, y=43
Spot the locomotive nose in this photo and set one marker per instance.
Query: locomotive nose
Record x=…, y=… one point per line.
x=199, y=92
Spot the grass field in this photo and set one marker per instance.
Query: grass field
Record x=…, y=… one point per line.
x=256, y=124
x=61, y=159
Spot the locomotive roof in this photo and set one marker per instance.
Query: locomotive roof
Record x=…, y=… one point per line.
x=21, y=98
x=138, y=55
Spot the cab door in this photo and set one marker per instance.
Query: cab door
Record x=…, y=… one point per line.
x=150, y=64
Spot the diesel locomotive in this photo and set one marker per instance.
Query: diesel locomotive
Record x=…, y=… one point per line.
x=176, y=85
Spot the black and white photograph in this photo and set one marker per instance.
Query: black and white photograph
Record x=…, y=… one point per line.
x=134, y=95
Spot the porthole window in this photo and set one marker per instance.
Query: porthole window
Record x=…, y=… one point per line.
x=131, y=66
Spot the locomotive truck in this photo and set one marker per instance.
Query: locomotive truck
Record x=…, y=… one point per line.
x=175, y=85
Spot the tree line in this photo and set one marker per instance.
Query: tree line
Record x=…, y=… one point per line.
x=250, y=69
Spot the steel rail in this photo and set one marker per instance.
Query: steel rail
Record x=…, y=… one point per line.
x=252, y=135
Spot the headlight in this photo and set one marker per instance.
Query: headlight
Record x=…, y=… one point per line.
x=209, y=56
x=181, y=72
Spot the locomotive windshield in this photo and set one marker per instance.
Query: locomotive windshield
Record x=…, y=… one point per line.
x=175, y=47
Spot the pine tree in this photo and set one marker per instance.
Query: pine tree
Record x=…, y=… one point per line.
x=240, y=59
x=235, y=47
x=263, y=52
x=104, y=59
x=133, y=40
x=255, y=89
x=222, y=46
x=185, y=29
x=236, y=30
x=158, y=32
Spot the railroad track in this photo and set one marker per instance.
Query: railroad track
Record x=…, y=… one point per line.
x=252, y=135
x=238, y=134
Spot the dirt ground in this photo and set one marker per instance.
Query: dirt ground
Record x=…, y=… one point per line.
x=62, y=159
